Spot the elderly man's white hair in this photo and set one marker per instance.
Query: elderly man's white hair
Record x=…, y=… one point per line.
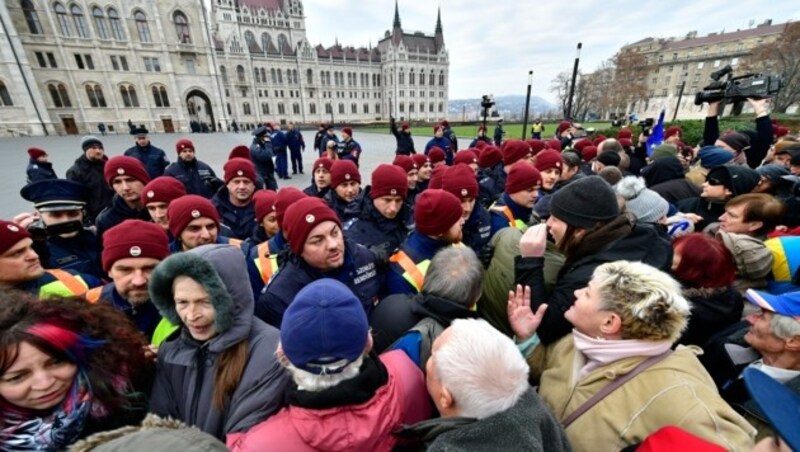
x=482, y=368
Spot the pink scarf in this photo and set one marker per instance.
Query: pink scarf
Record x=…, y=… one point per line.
x=600, y=352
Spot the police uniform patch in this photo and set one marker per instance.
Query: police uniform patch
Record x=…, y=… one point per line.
x=310, y=218
x=135, y=251
x=195, y=214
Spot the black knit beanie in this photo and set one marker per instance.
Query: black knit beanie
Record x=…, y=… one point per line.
x=585, y=202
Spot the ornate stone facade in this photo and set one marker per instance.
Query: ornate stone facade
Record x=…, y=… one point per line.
x=69, y=65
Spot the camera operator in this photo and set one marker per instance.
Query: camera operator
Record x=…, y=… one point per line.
x=753, y=155
x=57, y=226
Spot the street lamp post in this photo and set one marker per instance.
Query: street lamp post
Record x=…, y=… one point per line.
x=527, y=105
x=572, y=84
x=678, y=105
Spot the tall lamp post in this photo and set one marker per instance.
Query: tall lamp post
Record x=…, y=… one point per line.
x=572, y=84
x=680, y=95
x=527, y=105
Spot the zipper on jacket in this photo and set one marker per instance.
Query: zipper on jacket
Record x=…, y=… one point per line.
x=201, y=368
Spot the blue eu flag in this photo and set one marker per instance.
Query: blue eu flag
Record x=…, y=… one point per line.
x=656, y=135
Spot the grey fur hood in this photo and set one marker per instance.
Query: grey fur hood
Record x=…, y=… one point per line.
x=222, y=271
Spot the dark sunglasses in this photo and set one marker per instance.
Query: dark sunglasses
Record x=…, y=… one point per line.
x=713, y=182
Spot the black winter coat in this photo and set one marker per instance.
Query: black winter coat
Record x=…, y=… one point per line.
x=154, y=159
x=196, y=176
x=116, y=213
x=90, y=174
x=40, y=171
x=713, y=310
x=379, y=234
x=240, y=220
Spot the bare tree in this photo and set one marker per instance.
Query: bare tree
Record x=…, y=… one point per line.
x=629, y=82
x=781, y=56
x=560, y=87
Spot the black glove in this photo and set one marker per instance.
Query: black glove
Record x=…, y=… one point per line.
x=214, y=184
x=486, y=254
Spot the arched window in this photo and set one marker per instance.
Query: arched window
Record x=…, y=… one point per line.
x=240, y=73
x=142, y=27
x=441, y=78
x=401, y=79
x=31, y=17
x=100, y=23
x=273, y=76
x=411, y=108
x=160, y=96
x=312, y=108
x=341, y=109
x=412, y=78
x=54, y=96
x=62, y=91
x=296, y=109
x=250, y=40
x=128, y=94
x=59, y=95
x=280, y=76
x=95, y=95
x=281, y=109
x=421, y=77
x=246, y=108
x=354, y=108
x=402, y=107
x=263, y=75
x=116, y=25
x=377, y=108
x=164, y=98
x=282, y=42
x=265, y=40
x=441, y=107
x=182, y=27
x=366, y=108
x=5, y=97
x=224, y=74
x=432, y=78
x=309, y=77
x=61, y=17
x=80, y=22
x=264, y=108
x=256, y=75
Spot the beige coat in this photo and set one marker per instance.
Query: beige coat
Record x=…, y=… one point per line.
x=676, y=391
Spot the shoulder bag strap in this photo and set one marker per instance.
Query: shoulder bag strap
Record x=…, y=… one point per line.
x=613, y=386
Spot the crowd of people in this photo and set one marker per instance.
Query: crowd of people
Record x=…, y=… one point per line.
x=564, y=293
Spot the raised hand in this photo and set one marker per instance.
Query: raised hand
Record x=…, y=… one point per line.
x=524, y=322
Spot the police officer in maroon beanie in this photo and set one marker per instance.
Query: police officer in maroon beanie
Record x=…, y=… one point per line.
x=346, y=195
x=385, y=219
x=412, y=176
x=460, y=181
x=194, y=221
x=438, y=218
x=320, y=178
x=158, y=193
x=234, y=201
x=127, y=176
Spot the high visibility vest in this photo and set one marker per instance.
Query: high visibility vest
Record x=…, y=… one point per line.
x=413, y=273
x=266, y=263
x=93, y=295
x=235, y=242
x=65, y=285
x=163, y=331
x=538, y=127
x=512, y=222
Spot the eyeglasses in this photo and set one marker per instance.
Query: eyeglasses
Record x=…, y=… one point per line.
x=713, y=182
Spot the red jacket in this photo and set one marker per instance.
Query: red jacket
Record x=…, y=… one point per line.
x=369, y=426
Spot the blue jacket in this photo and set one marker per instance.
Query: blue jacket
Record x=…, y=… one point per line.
x=154, y=159
x=313, y=190
x=350, y=150
x=80, y=253
x=261, y=155
x=295, y=140
x=418, y=247
x=195, y=176
x=474, y=142
x=381, y=235
x=445, y=145
x=323, y=142
x=345, y=211
x=477, y=230
x=116, y=213
x=500, y=221
x=145, y=316
x=40, y=171
x=279, y=141
x=491, y=185
x=359, y=272
x=278, y=243
x=240, y=220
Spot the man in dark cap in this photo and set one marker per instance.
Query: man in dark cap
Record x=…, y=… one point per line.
x=294, y=139
x=38, y=166
x=722, y=183
x=330, y=135
x=196, y=176
x=88, y=171
x=66, y=243
x=261, y=154
x=154, y=159
x=319, y=136
x=405, y=144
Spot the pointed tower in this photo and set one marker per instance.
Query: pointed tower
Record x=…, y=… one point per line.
x=439, y=36
x=397, y=28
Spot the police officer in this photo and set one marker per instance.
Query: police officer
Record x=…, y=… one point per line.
x=330, y=135
x=297, y=145
x=196, y=176
x=493, y=182
x=318, y=249
x=158, y=193
x=279, y=147
x=460, y=181
x=127, y=177
x=346, y=195
x=21, y=269
x=154, y=159
x=38, y=166
x=515, y=206
x=320, y=178
x=349, y=148
x=261, y=154
x=412, y=176
x=480, y=137
x=385, y=219
x=234, y=201
x=194, y=222
x=440, y=141
x=131, y=250
x=60, y=205
x=405, y=144
x=438, y=218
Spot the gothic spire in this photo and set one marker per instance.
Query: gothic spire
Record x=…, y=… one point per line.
x=396, y=16
x=439, y=20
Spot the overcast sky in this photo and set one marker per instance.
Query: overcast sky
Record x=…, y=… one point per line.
x=494, y=43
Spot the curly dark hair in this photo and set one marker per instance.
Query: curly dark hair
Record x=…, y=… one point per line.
x=109, y=348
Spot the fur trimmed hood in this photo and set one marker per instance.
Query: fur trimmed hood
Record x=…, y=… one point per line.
x=219, y=269
x=154, y=435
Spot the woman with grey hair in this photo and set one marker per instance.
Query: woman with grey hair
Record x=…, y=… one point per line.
x=614, y=379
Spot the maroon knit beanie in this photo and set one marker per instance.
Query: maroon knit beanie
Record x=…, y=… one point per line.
x=405, y=162
x=436, y=211
x=466, y=156
x=323, y=162
x=490, y=156
x=35, y=153
x=239, y=167
x=10, y=234
x=344, y=171
x=514, y=151
x=303, y=216
x=134, y=238
x=125, y=166
x=436, y=155
x=554, y=144
x=626, y=142
x=187, y=208
x=436, y=177
x=564, y=125
x=599, y=139
x=624, y=133
x=419, y=160
x=548, y=159
x=265, y=203
x=481, y=144
x=183, y=143
x=671, y=131
x=286, y=197
x=163, y=189
x=522, y=176
x=582, y=143
x=537, y=146
x=241, y=151
x=348, y=131
x=389, y=180
x=589, y=153
x=460, y=180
